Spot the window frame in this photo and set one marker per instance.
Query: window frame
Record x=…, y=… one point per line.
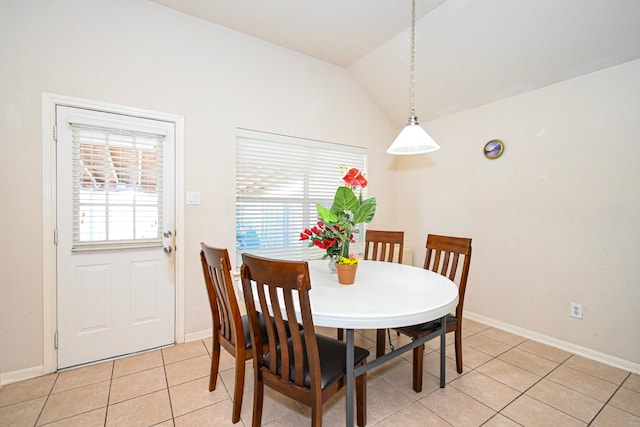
x=105, y=136
x=266, y=164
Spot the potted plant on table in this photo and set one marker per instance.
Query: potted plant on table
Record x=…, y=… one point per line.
x=346, y=269
x=336, y=227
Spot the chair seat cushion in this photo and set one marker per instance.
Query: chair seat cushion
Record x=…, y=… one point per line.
x=263, y=330
x=333, y=357
x=428, y=327
x=247, y=334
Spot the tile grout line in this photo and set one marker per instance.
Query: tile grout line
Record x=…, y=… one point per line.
x=568, y=387
x=590, y=372
x=494, y=379
x=47, y=399
x=462, y=375
x=106, y=412
x=166, y=380
x=544, y=403
x=209, y=354
x=530, y=387
x=609, y=400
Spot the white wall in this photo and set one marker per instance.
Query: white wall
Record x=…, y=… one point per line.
x=137, y=53
x=555, y=220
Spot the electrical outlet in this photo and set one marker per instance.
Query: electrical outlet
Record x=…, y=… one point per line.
x=576, y=310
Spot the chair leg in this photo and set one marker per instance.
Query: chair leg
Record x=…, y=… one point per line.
x=458, y=341
x=316, y=412
x=258, y=397
x=340, y=334
x=238, y=387
x=418, y=356
x=380, y=342
x=215, y=362
x=361, y=400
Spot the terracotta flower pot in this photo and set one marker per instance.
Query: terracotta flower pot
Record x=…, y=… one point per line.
x=346, y=273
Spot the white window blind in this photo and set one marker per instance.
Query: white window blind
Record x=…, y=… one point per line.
x=117, y=187
x=279, y=179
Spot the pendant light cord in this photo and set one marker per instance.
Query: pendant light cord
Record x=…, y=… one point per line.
x=413, y=58
x=413, y=139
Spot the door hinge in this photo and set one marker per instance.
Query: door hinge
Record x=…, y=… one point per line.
x=55, y=237
x=55, y=340
x=55, y=132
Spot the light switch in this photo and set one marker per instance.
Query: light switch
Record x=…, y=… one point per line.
x=193, y=197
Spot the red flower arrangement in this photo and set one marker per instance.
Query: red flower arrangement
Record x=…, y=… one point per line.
x=325, y=237
x=334, y=231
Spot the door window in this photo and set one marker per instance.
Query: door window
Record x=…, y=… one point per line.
x=117, y=187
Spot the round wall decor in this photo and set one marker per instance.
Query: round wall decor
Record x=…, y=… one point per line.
x=493, y=149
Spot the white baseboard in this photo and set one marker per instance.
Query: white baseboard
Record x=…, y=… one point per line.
x=21, y=375
x=198, y=335
x=36, y=371
x=562, y=345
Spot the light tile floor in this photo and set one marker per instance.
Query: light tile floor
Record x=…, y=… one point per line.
x=507, y=381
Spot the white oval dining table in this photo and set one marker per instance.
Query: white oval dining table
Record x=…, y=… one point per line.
x=384, y=295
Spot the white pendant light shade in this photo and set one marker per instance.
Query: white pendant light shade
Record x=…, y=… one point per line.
x=413, y=140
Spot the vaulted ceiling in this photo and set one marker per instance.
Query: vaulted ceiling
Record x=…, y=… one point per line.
x=468, y=52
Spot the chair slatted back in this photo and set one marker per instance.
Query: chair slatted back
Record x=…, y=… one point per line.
x=380, y=245
x=444, y=254
x=222, y=297
x=281, y=287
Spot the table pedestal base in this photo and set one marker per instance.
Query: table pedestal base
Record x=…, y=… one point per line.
x=353, y=372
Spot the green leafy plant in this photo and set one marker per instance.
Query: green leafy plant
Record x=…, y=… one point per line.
x=335, y=230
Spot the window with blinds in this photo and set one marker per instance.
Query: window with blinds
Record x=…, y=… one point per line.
x=117, y=187
x=279, y=180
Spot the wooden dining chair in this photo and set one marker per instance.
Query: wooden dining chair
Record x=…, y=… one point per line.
x=230, y=328
x=387, y=246
x=381, y=245
x=306, y=367
x=444, y=255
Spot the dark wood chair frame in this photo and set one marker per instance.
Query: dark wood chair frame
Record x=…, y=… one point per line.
x=264, y=280
x=443, y=256
x=228, y=329
x=380, y=245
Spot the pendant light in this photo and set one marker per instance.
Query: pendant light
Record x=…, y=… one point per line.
x=413, y=139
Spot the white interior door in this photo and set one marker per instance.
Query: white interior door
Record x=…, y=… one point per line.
x=115, y=235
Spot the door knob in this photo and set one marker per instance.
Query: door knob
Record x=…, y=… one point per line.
x=167, y=249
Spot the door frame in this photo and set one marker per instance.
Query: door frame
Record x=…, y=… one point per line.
x=49, y=198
